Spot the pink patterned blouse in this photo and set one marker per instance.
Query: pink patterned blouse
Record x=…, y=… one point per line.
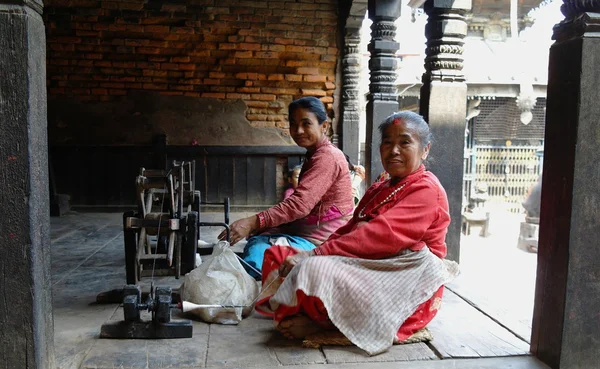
x=321, y=203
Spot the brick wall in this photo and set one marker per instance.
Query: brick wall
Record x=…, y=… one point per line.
x=265, y=53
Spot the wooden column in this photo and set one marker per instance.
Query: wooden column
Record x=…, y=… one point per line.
x=26, y=327
x=383, y=96
x=443, y=103
x=566, y=321
x=350, y=94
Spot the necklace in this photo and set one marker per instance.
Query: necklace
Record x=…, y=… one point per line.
x=361, y=213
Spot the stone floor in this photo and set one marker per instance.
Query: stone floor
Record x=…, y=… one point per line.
x=477, y=326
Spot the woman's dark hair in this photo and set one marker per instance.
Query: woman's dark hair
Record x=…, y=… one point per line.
x=409, y=117
x=311, y=103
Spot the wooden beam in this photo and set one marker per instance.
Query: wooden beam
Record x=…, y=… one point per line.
x=566, y=322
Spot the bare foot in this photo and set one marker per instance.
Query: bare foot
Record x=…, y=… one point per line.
x=298, y=327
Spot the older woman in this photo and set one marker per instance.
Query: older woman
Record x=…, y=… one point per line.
x=322, y=201
x=379, y=278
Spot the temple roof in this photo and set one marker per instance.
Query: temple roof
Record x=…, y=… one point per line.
x=503, y=7
x=489, y=64
x=505, y=62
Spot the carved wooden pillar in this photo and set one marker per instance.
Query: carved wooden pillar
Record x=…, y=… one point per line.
x=350, y=94
x=566, y=321
x=443, y=103
x=383, y=96
x=26, y=326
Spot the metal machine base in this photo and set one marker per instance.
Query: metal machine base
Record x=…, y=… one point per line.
x=147, y=330
x=159, y=303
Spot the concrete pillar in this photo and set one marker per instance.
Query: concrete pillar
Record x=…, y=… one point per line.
x=350, y=94
x=566, y=321
x=443, y=103
x=26, y=324
x=383, y=96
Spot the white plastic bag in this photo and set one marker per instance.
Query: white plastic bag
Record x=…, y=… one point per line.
x=221, y=281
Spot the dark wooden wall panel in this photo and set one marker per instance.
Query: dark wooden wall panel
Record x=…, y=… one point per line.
x=103, y=176
x=255, y=180
x=201, y=175
x=99, y=176
x=95, y=181
x=212, y=185
x=225, y=177
x=240, y=181
x=270, y=172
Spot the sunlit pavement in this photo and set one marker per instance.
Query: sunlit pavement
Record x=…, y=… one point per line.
x=496, y=275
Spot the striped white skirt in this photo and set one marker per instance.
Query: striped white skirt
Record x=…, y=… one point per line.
x=368, y=300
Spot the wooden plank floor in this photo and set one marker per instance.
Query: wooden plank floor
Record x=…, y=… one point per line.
x=88, y=258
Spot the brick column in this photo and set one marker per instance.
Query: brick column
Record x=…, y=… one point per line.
x=26, y=327
x=383, y=96
x=444, y=103
x=566, y=321
x=350, y=98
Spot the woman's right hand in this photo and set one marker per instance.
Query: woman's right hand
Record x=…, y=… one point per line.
x=240, y=229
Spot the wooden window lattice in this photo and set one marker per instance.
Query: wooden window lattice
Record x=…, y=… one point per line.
x=508, y=171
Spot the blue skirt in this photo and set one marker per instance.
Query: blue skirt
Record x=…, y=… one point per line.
x=254, y=251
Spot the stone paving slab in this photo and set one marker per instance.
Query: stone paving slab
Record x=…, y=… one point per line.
x=168, y=353
x=62, y=227
x=82, y=285
x=117, y=354
x=111, y=255
x=178, y=354
x=76, y=329
x=240, y=350
x=292, y=353
x=257, y=343
x=150, y=354
x=353, y=354
x=71, y=349
x=78, y=247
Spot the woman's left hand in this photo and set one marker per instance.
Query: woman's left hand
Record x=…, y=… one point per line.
x=240, y=229
x=291, y=261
